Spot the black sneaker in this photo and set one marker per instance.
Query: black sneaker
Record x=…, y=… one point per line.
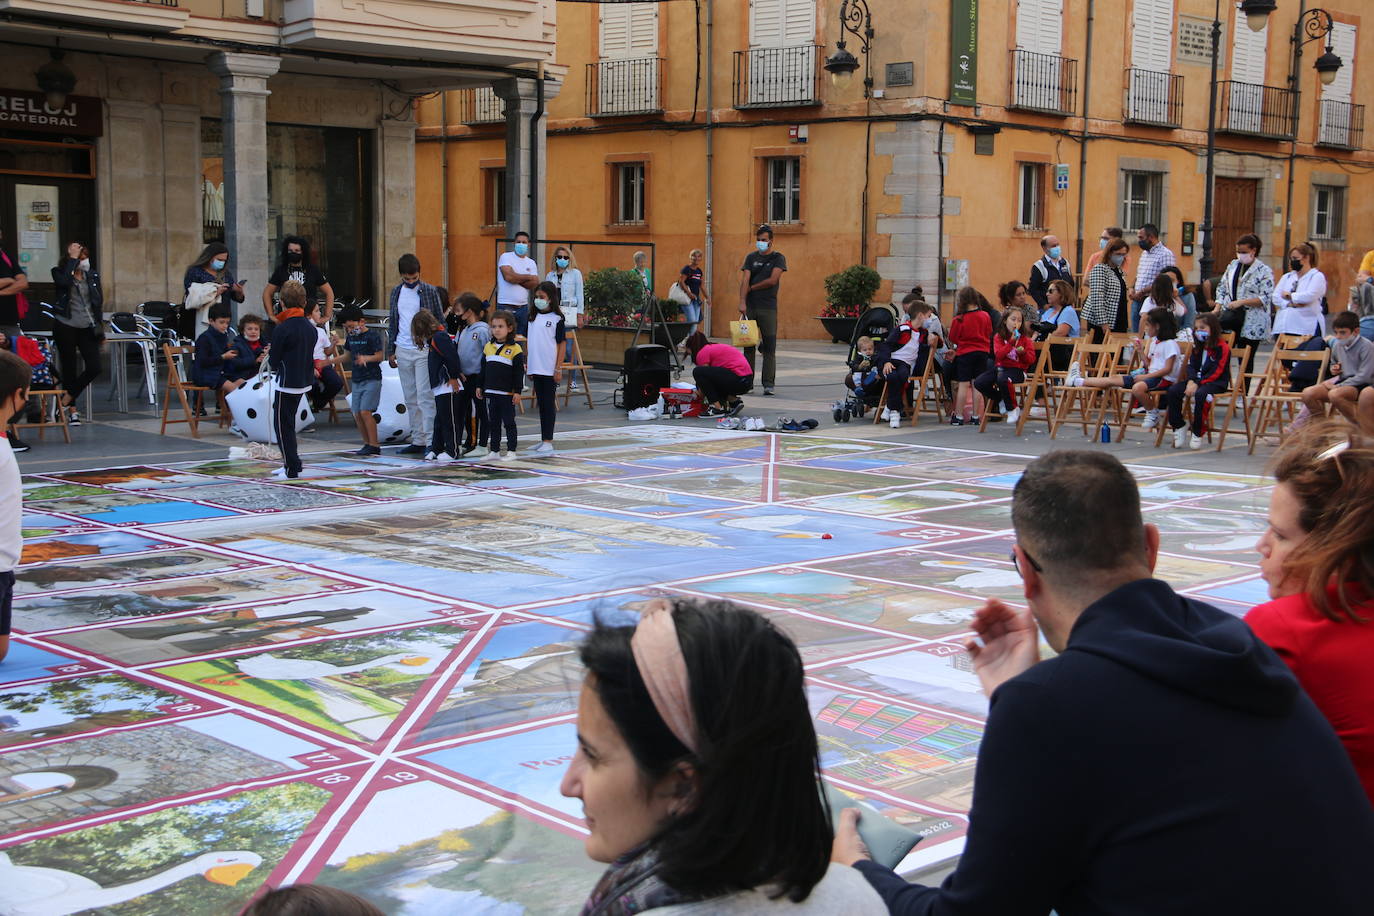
x=734, y=408
x=956, y=421
x=413, y=450
x=713, y=411
x=17, y=444
x=368, y=450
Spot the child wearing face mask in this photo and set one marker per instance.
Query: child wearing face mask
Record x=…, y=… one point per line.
x=1209, y=374
x=15, y=375
x=546, y=340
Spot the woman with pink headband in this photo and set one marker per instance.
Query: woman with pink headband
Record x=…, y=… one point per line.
x=698, y=771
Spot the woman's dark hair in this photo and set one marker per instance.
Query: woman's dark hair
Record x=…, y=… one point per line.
x=445, y=303
x=550, y=289
x=468, y=302
x=756, y=817
x=310, y=900
x=1166, y=325
x=209, y=253
x=1250, y=240
x=693, y=344
x=1162, y=290
x=295, y=240
x=1214, y=332
x=1114, y=246
x=1308, y=250
x=1007, y=292
x=1067, y=297
x=916, y=295
x=1333, y=493
x=967, y=299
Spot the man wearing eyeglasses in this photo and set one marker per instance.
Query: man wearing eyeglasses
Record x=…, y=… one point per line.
x=1164, y=761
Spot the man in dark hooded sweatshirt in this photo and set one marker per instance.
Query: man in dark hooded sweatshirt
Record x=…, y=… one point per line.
x=1165, y=761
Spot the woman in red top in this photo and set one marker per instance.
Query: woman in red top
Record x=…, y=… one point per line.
x=970, y=334
x=722, y=374
x=1015, y=353
x=1318, y=557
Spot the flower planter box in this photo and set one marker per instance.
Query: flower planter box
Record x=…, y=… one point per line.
x=841, y=330
x=605, y=347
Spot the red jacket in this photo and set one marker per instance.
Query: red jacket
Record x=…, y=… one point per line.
x=1331, y=661
x=1002, y=349
x=971, y=332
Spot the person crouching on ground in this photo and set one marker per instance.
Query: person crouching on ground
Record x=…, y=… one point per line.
x=291, y=357
x=697, y=769
x=722, y=374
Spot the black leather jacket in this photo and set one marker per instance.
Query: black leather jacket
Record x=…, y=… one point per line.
x=64, y=277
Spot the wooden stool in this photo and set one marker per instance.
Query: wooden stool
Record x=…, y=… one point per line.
x=57, y=410
x=573, y=365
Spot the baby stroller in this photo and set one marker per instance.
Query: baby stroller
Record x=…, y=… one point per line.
x=876, y=323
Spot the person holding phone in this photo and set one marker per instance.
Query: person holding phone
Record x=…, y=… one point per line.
x=78, y=325
x=212, y=266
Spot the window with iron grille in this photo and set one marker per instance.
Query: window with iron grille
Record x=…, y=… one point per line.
x=1030, y=195
x=629, y=200
x=494, y=197
x=1143, y=201
x=1328, y=212
x=784, y=190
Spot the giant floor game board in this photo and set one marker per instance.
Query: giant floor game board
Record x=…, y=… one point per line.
x=368, y=678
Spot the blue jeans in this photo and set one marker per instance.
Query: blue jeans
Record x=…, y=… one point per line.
x=691, y=312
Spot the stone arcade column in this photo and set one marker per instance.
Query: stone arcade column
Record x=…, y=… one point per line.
x=521, y=135
x=243, y=111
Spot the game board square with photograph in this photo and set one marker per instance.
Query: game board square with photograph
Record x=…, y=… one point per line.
x=907, y=499
x=140, y=477
x=987, y=516
x=634, y=500
x=354, y=687
x=456, y=853
x=36, y=489
x=77, y=705
x=261, y=497
x=251, y=626
x=581, y=467
x=41, y=551
x=476, y=476
x=770, y=483
x=369, y=486
x=1255, y=501
x=1236, y=597
x=244, y=468
x=947, y=573
x=39, y=613
x=95, y=774
x=742, y=446
x=42, y=525
x=122, y=509
x=900, y=608
x=206, y=858
x=28, y=662
x=1193, y=571
x=801, y=448
x=1194, y=520
x=1191, y=486
x=941, y=465
x=659, y=462
x=122, y=571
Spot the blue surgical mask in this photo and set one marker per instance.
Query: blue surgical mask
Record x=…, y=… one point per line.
x=1101, y=243
x=541, y=304
x=1118, y=259
x=1201, y=334
x=1054, y=252
x=522, y=249
x=561, y=262
x=761, y=245
x=218, y=263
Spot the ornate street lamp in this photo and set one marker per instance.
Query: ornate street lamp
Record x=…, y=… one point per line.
x=855, y=19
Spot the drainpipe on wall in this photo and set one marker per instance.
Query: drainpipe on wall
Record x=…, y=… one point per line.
x=1083, y=137
x=443, y=183
x=710, y=160
x=940, y=228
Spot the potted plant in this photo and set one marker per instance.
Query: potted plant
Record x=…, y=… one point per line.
x=847, y=296
x=614, y=299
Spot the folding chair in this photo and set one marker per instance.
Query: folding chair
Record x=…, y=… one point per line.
x=177, y=384
x=572, y=364
x=1275, y=396
x=1239, y=392
x=1022, y=388
x=920, y=389
x=1037, y=392
x=1094, y=361
x=53, y=414
x=1153, y=399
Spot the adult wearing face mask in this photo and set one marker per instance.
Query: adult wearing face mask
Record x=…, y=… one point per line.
x=1298, y=294
x=1156, y=257
x=1051, y=266
x=407, y=355
x=212, y=266
x=516, y=276
x=1103, y=240
x=79, y=324
x=568, y=279
x=1243, y=295
x=297, y=264
x=758, y=301
x=1105, y=308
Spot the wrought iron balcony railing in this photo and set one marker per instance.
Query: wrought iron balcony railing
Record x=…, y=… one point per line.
x=776, y=77
x=1046, y=83
x=624, y=86
x=1340, y=124
x=1254, y=110
x=1154, y=98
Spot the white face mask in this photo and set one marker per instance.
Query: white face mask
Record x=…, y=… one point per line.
x=541, y=304
x=85, y=265
x=1247, y=258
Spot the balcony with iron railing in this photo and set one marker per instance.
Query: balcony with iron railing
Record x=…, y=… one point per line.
x=1253, y=110
x=142, y=15
x=480, y=106
x=1154, y=98
x=1046, y=83
x=624, y=86
x=1340, y=125
x=783, y=77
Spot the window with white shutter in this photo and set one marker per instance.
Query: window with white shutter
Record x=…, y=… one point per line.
x=1335, y=122
x=1039, y=70
x=1039, y=25
x=782, y=51
x=627, y=74
x=1152, y=44
x=1249, y=54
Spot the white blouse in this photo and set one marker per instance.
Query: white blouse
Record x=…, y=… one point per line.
x=1301, y=312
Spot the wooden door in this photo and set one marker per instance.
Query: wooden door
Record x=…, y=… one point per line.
x=1233, y=215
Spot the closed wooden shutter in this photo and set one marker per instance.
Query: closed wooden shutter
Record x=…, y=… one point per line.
x=1343, y=44
x=1250, y=52
x=780, y=23
x=629, y=30
x=1039, y=25
x=1152, y=35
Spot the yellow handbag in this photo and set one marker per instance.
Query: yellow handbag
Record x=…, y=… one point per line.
x=744, y=333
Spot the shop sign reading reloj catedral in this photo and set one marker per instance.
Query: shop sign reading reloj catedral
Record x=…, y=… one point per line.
x=80, y=115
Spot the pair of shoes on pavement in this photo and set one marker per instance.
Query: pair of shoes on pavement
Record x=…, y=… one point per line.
x=542, y=450
x=18, y=445
x=440, y=457
x=710, y=412
x=789, y=425
x=1183, y=434
x=729, y=423
x=734, y=408
x=477, y=453
x=753, y=424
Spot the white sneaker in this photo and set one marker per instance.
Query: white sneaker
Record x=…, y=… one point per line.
x=1180, y=436
x=506, y=455
x=575, y=386
x=887, y=413
x=477, y=453
x=444, y=458
x=1196, y=443
x=542, y=450
x=1013, y=416
x=1075, y=373
x=1038, y=413
x=895, y=420
x=1151, y=420
x=429, y=456
x=279, y=473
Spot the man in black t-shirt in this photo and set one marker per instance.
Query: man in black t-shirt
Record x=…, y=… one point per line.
x=758, y=301
x=295, y=264
x=13, y=281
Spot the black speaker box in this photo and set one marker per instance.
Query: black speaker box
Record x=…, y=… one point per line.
x=647, y=369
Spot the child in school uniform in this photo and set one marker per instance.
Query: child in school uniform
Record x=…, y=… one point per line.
x=445, y=381
x=1014, y=353
x=1163, y=363
x=471, y=340
x=1209, y=374
x=15, y=375
x=503, y=375
x=291, y=357
x=546, y=339
x=214, y=354
x=328, y=381
x=364, y=345
x=250, y=350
